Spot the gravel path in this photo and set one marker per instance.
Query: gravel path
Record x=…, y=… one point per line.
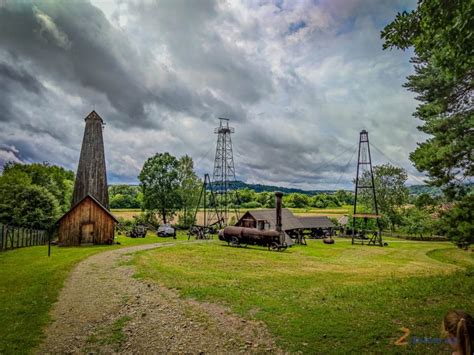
x=103, y=309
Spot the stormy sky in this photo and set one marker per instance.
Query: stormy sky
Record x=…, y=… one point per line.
x=298, y=79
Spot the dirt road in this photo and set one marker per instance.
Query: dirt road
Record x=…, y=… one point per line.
x=104, y=309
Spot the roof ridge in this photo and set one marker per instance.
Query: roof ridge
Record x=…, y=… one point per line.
x=93, y=199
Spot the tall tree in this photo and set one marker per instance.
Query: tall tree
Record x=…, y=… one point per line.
x=189, y=188
x=391, y=191
x=417, y=221
x=125, y=196
x=456, y=223
x=441, y=34
x=55, y=179
x=159, y=180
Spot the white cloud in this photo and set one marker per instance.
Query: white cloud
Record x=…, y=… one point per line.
x=48, y=26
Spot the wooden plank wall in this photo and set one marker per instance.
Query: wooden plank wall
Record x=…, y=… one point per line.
x=86, y=212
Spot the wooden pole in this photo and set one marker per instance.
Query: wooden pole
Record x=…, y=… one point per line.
x=49, y=243
x=1, y=239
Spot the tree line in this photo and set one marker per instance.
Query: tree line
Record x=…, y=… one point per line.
x=36, y=195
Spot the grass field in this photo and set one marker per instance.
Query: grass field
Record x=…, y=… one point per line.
x=327, y=299
x=30, y=283
x=319, y=298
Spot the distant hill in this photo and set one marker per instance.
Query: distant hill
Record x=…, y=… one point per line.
x=425, y=189
x=272, y=188
x=413, y=189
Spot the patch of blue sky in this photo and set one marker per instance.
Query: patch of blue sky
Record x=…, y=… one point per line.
x=296, y=26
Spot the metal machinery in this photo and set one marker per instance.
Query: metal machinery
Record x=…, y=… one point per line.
x=242, y=236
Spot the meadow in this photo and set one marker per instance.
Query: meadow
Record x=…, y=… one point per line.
x=327, y=299
x=316, y=298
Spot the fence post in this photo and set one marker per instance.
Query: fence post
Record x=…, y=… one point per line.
x=49, y=243
x=1, y=239
x=12, y=237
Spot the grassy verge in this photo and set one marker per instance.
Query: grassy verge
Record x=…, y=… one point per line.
x=327, y=299
x=30, y=284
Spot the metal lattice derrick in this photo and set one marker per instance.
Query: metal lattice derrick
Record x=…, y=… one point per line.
x=364, y=169
x=212, y=218
x=223, y=177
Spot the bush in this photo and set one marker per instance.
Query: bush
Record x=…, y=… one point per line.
x=457, y=223
x=28, y=206
x=185, y=223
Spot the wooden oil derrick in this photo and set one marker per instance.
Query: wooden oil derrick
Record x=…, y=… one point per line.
x=89, y=220
x=91, y=177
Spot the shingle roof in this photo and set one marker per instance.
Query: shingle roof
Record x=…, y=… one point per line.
x=316, y=222
x=288, y=220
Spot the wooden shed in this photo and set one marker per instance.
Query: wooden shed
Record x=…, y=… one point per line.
x=264, y=219
x=87, y=222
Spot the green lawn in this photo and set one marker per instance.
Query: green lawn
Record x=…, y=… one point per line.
x=30, y=284
x=326, y=299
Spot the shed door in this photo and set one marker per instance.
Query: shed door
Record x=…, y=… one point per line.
x=87, y=233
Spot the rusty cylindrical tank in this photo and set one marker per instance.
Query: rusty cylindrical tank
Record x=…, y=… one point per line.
x=244, y=235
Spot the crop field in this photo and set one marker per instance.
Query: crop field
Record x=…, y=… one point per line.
x=334, y=212
x=327, y=299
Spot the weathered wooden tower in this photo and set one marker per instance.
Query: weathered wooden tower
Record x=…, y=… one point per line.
x=91, y=177
x=89, y=220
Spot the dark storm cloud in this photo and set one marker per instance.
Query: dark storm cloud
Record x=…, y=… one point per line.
x=161, y=72
x=88, y=50
x=19, y=76
x=73, y=41
x=191, y=32
x=13, y=81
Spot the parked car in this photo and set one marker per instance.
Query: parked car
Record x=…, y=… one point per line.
x=166, y=230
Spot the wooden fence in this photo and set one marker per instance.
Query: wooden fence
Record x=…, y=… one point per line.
x=18, y=237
